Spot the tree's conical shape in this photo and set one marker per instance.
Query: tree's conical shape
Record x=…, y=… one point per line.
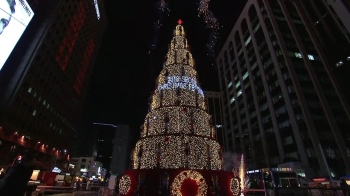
x=177, y=131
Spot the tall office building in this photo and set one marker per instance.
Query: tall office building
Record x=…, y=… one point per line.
x=103, y=143
x=121, y=150
x=214, y=104
x=340, y=11
x=331, y=20
x=112, y=147
x=45, y=78
x=281, y=97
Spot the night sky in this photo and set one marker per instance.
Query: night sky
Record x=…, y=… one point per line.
x=124, y=74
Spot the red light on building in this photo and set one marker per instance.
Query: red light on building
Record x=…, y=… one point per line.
x=71, y=37
x=319, y=179
x=84, y=66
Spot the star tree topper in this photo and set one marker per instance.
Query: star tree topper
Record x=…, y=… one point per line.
x=179, y=22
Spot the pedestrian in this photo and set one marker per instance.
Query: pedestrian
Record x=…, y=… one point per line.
x=344, y=187
x=15, y=181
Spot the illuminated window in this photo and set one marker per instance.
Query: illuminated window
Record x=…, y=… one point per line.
x=339, y=63
x=298, y=55
x=248, y=40
x=34, y=94
x=44, y=102
x=97, y=10
x=238, y=83
x=245, y=75
x=311, y=57
x=239, y=93
x=348, y=58
x=229, y=84
x=34, y=112
x=232, y=99
x=30, y=90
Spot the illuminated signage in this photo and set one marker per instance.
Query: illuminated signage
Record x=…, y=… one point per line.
x=56, y=170
x=15, y=16
x=183, y=82
x=97, y=10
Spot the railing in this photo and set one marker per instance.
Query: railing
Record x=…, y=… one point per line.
x=299, y=192
x=251, y=192
x=80, y=190
x=312, y=192
x=51, y=190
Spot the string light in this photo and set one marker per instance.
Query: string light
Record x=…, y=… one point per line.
x=211, y=23
x=173, y=154
x=234, y=186
x=163, y=6
x=189, y=174
x=179, y=121
x=124, y=185
x=177, y=131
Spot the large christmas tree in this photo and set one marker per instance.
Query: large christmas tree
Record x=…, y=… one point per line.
x=177, y=137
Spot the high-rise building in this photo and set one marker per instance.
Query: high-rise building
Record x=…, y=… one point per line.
x=45, y=79
x=121, y=150
x=103, y=143
x=282, y=101
x=332, y=29
x=340, y=11
x=112, y=147
x=214, y=104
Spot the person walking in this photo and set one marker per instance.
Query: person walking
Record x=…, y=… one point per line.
x=15, y=181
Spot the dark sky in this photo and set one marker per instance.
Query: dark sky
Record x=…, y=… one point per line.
x=124, y=74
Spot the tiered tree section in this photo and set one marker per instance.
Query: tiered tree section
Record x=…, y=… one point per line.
x=177, y=131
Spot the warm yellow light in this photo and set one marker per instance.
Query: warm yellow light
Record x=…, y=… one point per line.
x=177, y=131
x=124, y=185
x=234, y=185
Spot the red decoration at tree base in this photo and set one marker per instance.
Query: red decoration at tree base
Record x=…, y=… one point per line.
x=152, y=181
x=189, y=187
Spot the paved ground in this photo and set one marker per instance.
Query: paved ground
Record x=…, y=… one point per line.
x=83, y=194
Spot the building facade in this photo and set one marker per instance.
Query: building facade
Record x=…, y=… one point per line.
x=214, y=104
x=45, y=79
x=112, y=147
x=282, y=101
x=121, y=150
x=87, y=166
x=104, y=143
x=331, y=20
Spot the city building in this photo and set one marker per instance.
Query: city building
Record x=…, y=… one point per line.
x=331, y=20
x=87, y=166
x=340, y=11
x=121, y=150
x=214, y=104
x=45, y=78
x=112, y=147
x=282, y=101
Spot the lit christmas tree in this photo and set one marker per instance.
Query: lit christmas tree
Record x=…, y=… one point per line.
x=177, y=151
